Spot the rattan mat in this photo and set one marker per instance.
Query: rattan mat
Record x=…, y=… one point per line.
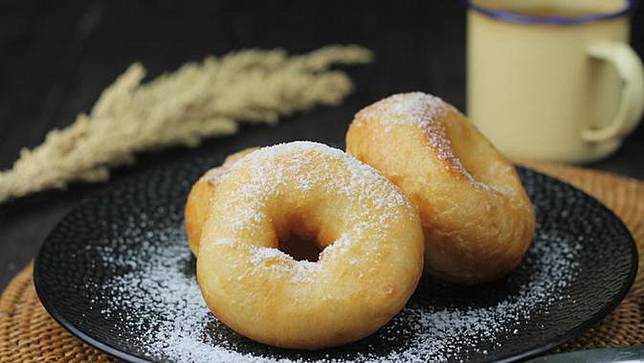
x=29, y=334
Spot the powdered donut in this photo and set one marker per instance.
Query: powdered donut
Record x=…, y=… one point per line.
x=477, y=219
x=370, y=235
x=200, y=199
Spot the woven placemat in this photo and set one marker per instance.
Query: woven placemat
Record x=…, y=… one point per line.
x=29, y=334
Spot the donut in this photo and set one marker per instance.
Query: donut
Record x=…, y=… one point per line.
x=200, y=198
x=477, y=218
x=369, y=234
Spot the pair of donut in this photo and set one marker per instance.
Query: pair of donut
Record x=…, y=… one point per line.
x=418, y=186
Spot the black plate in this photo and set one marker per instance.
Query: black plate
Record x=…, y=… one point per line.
x=117, y=273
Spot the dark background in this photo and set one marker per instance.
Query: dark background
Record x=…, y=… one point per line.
x=56, y=58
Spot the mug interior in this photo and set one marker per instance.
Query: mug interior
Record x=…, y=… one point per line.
x=552, y=11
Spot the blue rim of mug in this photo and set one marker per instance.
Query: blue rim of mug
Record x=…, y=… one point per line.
x=556, y=20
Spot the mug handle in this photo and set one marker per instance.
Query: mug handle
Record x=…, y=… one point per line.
x=629, y=67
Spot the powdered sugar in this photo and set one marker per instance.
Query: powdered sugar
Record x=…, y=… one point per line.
x=302, y=166
x=339, y=247
x=263, y=259
x=271, y=166
x=164, y=304
x=427, y=113
x=158, y=303
x=264, y=254
x=415, y=108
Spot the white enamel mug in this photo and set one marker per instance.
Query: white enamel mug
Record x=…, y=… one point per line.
x=553, y=79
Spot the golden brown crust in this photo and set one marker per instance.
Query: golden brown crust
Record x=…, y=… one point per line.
x=371, y=235
x=477, y=219
x=199, y=198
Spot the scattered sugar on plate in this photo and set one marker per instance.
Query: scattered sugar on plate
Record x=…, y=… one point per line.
x=156, y=301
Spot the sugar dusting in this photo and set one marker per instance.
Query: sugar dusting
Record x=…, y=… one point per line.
x=158, y=304
x=306, y=166
x=427, y=113
x=415, y=108
x=265, y=259
x=274, y=165
x=164, y=303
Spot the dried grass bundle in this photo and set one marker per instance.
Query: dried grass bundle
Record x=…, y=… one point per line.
x=197, y=101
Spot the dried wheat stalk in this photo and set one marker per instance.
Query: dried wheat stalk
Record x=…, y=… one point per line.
x=197, y=101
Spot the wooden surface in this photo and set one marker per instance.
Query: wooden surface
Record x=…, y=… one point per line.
x=56, y=57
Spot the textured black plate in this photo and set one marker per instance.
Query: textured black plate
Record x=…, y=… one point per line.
x=117, y=273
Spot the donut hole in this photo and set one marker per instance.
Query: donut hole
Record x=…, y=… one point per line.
x=301, y=249
x=476, y=155
x=299, y=235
